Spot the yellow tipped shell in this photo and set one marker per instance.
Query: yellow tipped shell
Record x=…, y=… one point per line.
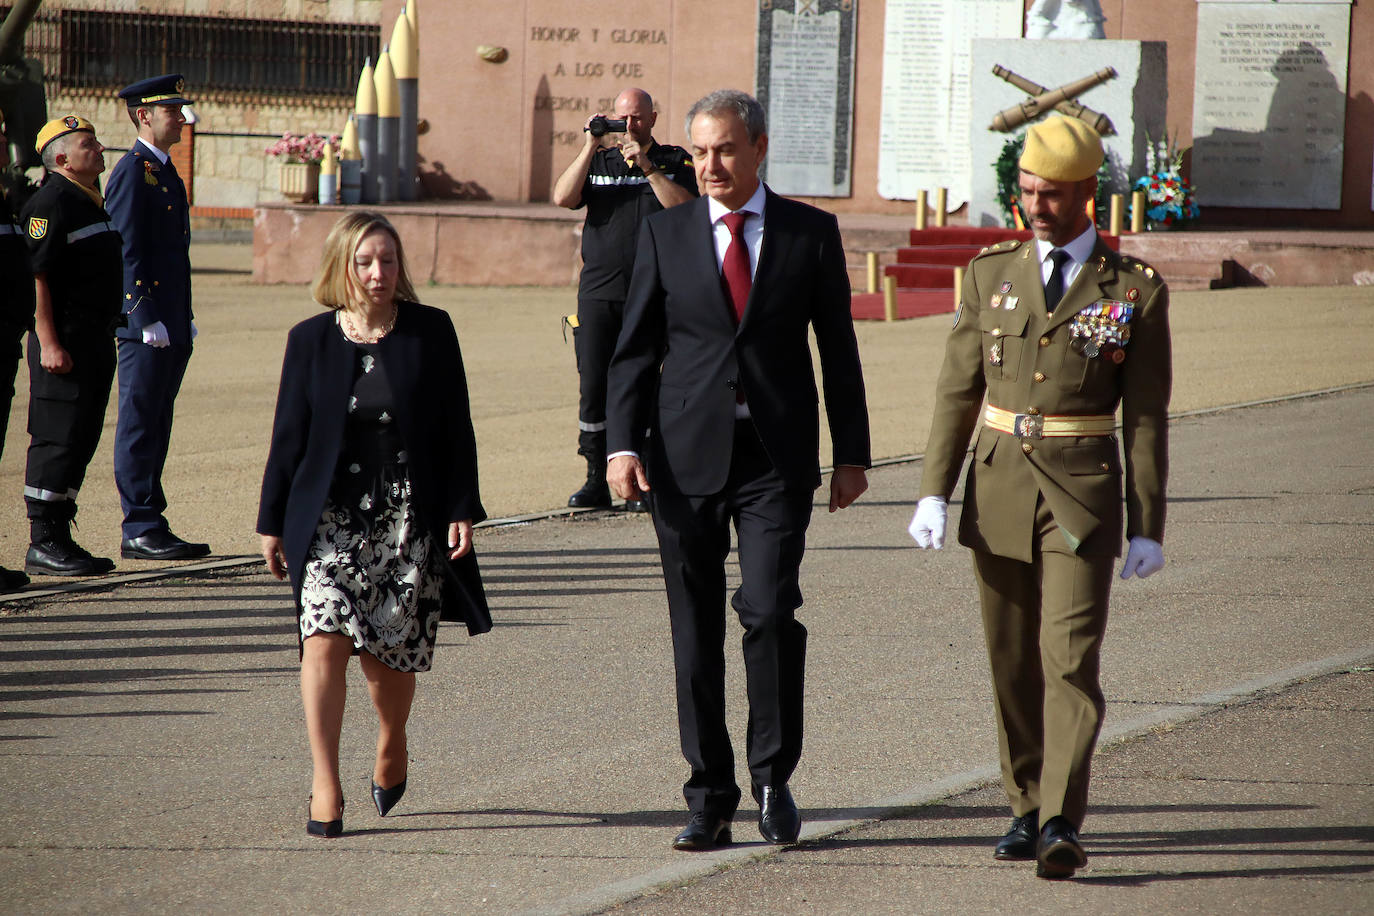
x=405, y=59
x=348, y=144
x=366, y=103
x=388, y=97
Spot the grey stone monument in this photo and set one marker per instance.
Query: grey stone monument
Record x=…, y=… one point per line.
x=1269, y=103
x=806, y=84
x=1135, y=101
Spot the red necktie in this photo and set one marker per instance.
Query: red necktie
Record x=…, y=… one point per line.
x=735, y=269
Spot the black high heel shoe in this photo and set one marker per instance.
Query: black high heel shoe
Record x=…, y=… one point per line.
x=386, y=799
x=327, y=829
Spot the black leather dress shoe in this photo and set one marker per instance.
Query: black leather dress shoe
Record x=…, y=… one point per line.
x=636, y=505
x=59, y=557
x=161, y=544
x=12, y=580
x=703, y=831
x=779, y=819
x=1019, y=843
x=1058, y=853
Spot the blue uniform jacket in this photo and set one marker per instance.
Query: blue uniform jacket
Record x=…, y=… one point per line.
x=147, y=202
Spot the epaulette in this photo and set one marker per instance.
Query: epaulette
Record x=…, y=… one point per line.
x=1137, y=265
x=999, y=248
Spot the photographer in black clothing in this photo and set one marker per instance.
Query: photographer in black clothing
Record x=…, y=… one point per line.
x=621, y=178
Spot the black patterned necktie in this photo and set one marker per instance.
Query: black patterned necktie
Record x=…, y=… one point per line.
x=1054, y=289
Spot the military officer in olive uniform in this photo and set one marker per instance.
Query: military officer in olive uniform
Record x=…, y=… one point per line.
x=1059, y=332
x=16, y=316
x=147, y=201
x=74, y=251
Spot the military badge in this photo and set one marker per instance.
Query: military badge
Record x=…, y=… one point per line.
x=38, y=228
x=1006, y=286
x=1133, y=294
x=181, y=86
x=995, y=302
x=995, y=354
x=958, y=313
x=71, y=122
x=1009, y=302
x=148, y=169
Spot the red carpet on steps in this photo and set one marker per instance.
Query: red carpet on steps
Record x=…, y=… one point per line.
x=925, y=269
x=911, y=303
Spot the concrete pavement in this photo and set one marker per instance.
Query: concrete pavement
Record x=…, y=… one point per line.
x=156, y=762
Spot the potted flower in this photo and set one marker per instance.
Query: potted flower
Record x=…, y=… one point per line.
x=300, y=169
x=1170, y=201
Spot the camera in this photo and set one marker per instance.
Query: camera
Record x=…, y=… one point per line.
x=600, y=126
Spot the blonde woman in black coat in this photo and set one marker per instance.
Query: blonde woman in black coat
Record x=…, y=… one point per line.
x=369, y=499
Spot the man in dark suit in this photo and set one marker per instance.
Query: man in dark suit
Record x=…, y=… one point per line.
x=713, y=360
x=147, y=202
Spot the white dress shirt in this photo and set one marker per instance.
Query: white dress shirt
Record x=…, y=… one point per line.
x=157, y=153
x=1080, y=249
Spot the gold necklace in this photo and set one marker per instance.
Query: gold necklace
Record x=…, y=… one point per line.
x=352, y=333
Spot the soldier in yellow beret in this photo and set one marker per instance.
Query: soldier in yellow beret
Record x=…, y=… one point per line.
x=1059, y=332
x=76, y=261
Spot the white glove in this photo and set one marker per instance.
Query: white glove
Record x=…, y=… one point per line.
x=928, y=524
x=155, y=335
x=194, y=331
x=1143, y=557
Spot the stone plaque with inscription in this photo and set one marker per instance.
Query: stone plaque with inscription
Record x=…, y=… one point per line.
x=1269, y=103
x=923, y=138
x=806, y=84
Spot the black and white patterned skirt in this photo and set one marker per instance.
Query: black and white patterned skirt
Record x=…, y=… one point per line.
x=373, y=574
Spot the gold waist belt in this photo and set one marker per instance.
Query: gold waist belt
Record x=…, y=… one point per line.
x=1038, y=426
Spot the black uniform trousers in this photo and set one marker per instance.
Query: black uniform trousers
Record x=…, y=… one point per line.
x=1044, y=622
x=694, y=540
x=66, y=417
x=594, y=340
x=149, y=379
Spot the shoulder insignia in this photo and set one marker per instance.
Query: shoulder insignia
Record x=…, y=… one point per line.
x=38, y=227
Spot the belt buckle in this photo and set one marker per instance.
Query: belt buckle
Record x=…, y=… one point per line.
x=1028, y=426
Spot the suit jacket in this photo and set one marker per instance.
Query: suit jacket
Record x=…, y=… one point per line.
x=425, y=369
x=1036, y=367
x=147, y=203
x=681, y=356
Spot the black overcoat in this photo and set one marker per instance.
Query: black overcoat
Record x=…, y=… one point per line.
x=425, y=369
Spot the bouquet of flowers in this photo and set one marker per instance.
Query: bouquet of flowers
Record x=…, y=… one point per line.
x=302, y=147
x=1170, y=201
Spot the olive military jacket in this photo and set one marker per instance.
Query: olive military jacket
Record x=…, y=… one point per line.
x=1005, y=345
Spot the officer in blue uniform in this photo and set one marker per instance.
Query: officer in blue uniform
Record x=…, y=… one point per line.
x=74, y=254
x=147, y=201
x=16, y=316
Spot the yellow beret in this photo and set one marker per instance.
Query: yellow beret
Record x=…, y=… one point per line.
x=1062, y=149
x=60, y=127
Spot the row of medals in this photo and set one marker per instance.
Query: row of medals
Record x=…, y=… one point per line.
x=1101, y=328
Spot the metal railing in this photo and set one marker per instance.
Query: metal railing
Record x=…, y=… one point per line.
x=219, y=56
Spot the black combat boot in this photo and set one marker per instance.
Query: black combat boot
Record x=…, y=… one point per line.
x=595, y=494
x=52, y=552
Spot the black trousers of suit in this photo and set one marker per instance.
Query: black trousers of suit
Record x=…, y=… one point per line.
x=694, y=540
